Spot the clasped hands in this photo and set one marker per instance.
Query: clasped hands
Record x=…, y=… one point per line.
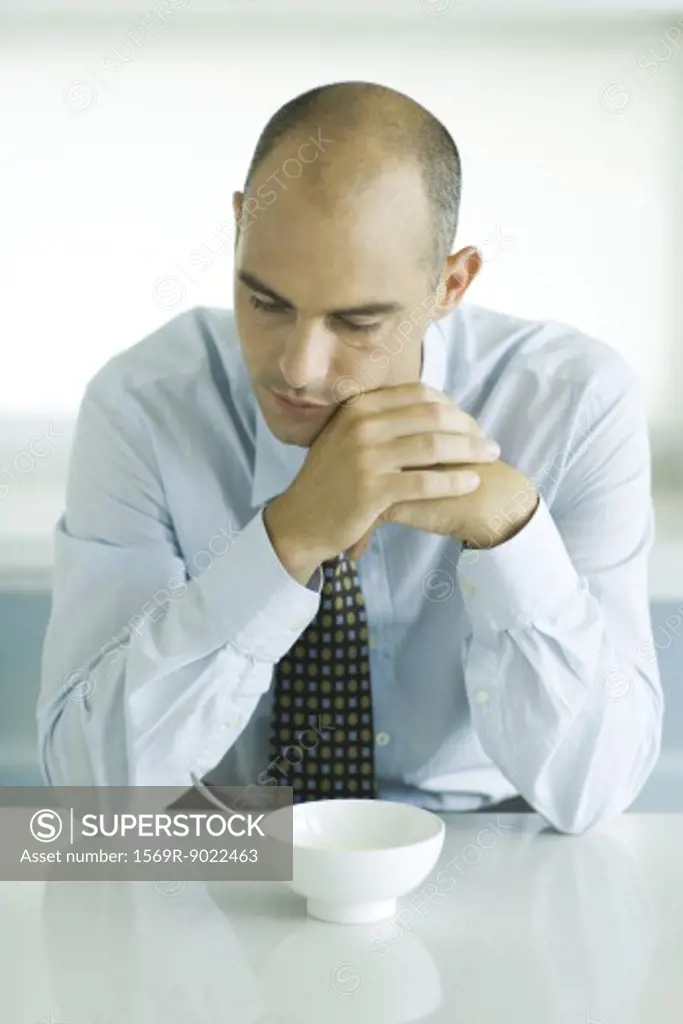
x=404, y=454
x=497, y=503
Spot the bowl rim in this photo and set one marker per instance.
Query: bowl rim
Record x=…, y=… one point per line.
x=439, y=827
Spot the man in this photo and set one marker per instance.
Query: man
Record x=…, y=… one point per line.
x=358, y=539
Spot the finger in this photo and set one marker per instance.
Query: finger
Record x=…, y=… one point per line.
x=434, y=449
x=427, y=417
x=438, y=513
x=423, y=484
x=395, y=397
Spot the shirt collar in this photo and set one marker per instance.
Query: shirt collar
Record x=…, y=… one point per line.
x=277, y=464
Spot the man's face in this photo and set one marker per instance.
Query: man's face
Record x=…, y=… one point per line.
x=331, y=299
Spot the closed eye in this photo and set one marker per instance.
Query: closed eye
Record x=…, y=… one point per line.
x=276, y=307
x=268, y=307
x=358, y=327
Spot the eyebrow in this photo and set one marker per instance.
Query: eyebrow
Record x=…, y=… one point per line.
x=368, y=309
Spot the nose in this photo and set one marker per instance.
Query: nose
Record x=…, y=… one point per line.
x=306, y=360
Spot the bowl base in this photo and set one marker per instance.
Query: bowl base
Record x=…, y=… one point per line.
x=351, y=913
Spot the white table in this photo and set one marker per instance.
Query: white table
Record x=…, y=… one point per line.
x=534, y=928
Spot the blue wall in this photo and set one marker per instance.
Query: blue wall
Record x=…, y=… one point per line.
x=23, y=618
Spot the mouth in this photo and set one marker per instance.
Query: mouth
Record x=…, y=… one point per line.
x=298, y=408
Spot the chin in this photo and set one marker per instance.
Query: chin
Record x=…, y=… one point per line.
x=302, y=435
x=288, y=431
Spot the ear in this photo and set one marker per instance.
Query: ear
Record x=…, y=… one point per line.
x=460, y=269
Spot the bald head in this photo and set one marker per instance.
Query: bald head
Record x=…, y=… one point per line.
x=342, y=250
x=375, y=130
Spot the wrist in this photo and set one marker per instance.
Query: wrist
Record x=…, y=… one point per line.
x=498, y=529
x=295, y=552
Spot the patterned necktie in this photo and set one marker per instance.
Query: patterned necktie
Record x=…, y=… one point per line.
x=324, y=682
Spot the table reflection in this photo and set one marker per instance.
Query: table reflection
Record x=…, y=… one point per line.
x=545, y=928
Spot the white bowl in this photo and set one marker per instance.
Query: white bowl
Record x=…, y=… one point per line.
x=352, y=859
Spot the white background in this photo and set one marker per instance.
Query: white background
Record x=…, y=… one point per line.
x=123, y=137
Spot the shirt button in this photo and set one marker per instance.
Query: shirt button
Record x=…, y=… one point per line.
x=467, y=588
x=235, y=720
x=382, y=738
x=482, y=697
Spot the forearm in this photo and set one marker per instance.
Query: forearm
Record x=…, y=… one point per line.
x=576, y=739
x=561, y=697
x=173, y=695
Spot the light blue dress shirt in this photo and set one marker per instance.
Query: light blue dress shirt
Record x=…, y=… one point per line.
x=516, y=669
